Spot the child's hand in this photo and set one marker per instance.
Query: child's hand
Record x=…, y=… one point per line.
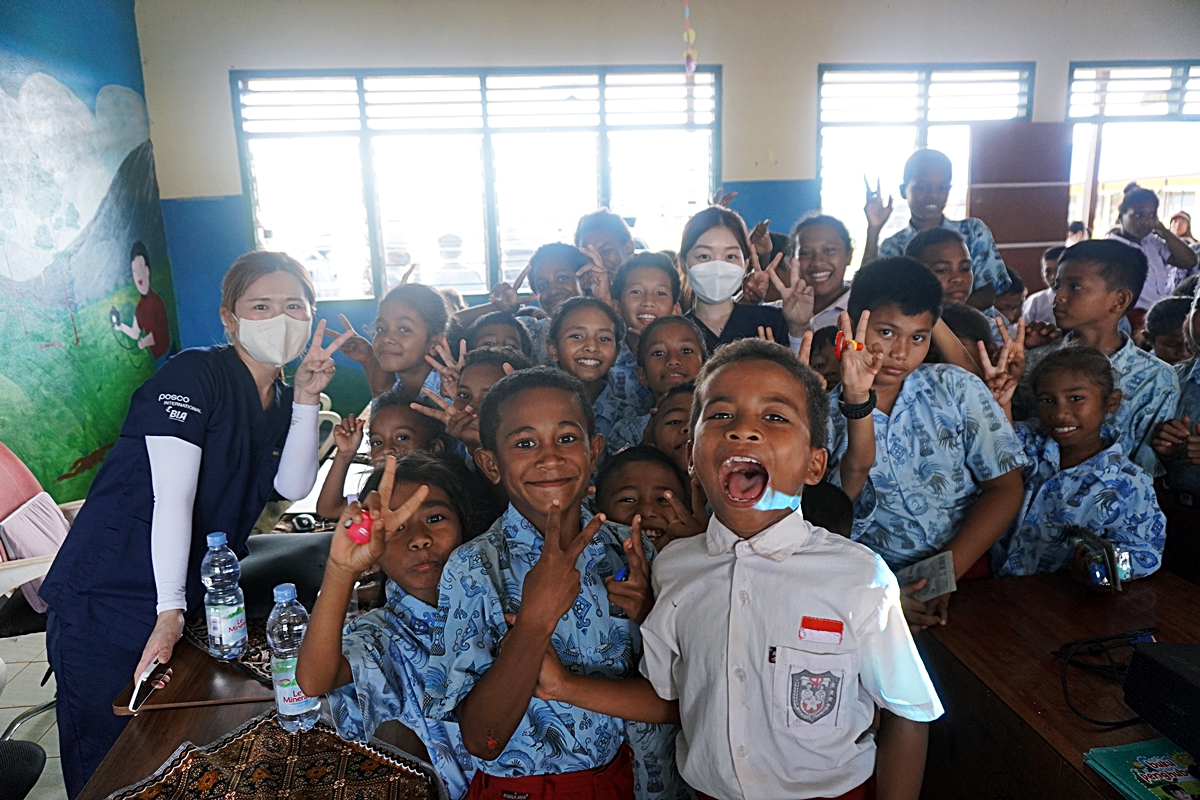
x=859, y=367
x=684, y=522
x=798, y=297
x=462, y=424
x=1171, y=436
x=722, y=198
x=756, y=282
x=1015, y=346
x=760, y=240
x=633, y=595
x=997, y=375
x=387, y=522
x=1041, y=333
x=552, y=585
x=553, y=676
x=805, y=352
x=355, y=348
x=504, y=297
x=348, y=435
x=877, y=213
x=1192, y=447
x=347, y=556
x=448, y=367
x=593, y=277
x=766, y=334
x=918, y=615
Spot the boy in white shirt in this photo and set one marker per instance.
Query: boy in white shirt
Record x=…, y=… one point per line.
x=778, y=638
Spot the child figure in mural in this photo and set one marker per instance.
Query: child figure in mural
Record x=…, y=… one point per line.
x=151, y=328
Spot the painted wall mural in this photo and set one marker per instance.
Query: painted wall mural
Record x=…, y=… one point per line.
x=87, y=309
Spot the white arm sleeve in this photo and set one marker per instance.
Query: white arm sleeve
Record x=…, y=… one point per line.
x=795, y=343
x=174, y=473
x=298, y=463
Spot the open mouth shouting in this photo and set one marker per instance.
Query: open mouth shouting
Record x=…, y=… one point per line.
x=743, y=479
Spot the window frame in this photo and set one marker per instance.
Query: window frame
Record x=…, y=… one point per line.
x=1180, y=67
x=1179, y=78
x=923, y=70
x=491, y=213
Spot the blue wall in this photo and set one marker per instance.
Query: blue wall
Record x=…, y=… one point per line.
x=782, y=202
x=207, y=234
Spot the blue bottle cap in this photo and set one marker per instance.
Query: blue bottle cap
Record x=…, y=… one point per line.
x=216, y=539
x=285, y=593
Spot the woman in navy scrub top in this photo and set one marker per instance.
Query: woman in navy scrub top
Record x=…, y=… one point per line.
x=714, y=254
x=205, y=441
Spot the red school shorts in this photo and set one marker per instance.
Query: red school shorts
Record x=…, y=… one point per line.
x=614, y=781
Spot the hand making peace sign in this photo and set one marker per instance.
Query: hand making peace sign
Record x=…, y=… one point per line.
x=552, y=585
x=316, y=368
x=633, y=595
x=798, y=297
x=859, y=367
x=346, y=554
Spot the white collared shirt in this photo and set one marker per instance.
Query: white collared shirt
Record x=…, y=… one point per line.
x=825, y=317
x=829, y=316
x=778, y=647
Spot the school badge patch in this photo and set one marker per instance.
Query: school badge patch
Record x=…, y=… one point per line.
x=814, y=696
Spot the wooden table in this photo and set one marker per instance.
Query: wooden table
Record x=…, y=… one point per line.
x=150, y=738
x=198, y=679
x=1007, y=733
x=205, y=699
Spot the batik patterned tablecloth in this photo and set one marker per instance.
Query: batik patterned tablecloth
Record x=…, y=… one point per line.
x=260, y=760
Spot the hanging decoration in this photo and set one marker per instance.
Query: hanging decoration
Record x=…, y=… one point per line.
x=689, y=40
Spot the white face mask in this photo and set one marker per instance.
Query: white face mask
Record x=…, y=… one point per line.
x=715, y=281
x=274, y=341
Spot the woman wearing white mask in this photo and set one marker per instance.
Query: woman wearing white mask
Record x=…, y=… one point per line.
x=715, y=253
x=205, y=441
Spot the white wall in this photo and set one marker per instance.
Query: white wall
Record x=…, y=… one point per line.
x=770, y=50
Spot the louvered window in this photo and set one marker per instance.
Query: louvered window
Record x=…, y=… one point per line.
x=1169, y=90
x=462, y=175
x=872, y=117
x=1135, y=121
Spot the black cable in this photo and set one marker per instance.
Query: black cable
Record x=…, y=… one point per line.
x=1097, y=647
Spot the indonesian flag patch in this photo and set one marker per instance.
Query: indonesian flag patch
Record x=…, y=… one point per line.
x=824, y=631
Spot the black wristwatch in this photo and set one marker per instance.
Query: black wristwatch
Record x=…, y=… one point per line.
x=858, y=410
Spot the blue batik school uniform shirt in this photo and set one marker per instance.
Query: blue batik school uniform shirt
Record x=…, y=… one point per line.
x=482, y=582
x=539, y=334
x=388, y=651
x=611, y=408
x=432, y=382
x=624, y=379
x=1149, y=396
x=1182, y=476
x=985, y=258
x=944, y=437
x=1107, y=494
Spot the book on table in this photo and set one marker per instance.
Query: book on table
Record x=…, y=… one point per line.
x=1151, y=770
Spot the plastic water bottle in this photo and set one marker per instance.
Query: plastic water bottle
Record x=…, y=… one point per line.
x=285, y=632
x=224, y=605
